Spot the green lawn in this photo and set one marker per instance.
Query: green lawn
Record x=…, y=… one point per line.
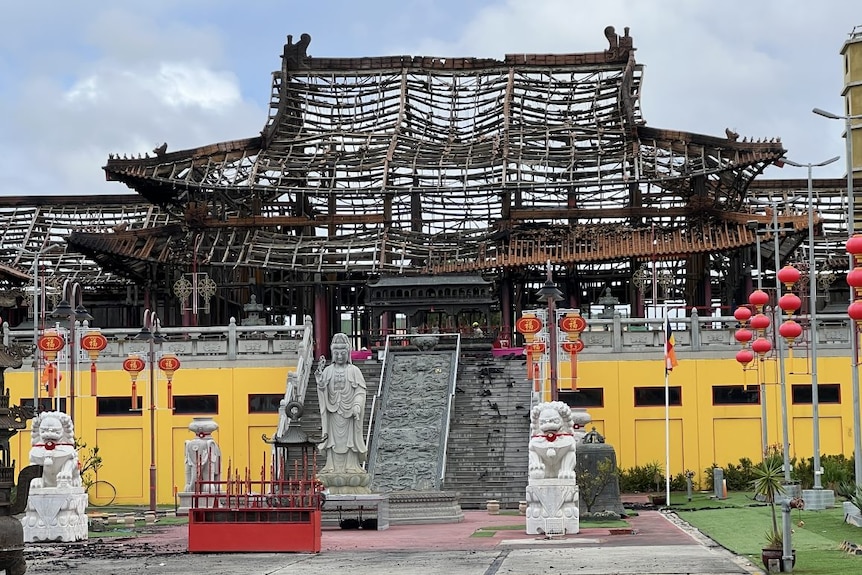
x=741, y=526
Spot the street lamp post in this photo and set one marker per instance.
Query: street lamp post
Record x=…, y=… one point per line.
x=37, y=302
x=764, y=427
x=71, y=295
x=150, y=332
x=854, y=335
x=812, y=315
x=552, y=295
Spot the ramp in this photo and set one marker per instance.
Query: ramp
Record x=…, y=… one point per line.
x=407, y=451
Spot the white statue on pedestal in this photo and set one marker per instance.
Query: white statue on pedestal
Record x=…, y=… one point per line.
x=552, y=493
x=57, y=504
x=202, y=463
x=341, y=390
x=53, y=447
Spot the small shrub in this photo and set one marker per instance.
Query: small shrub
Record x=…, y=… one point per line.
x=641, y=478
x=90, y=462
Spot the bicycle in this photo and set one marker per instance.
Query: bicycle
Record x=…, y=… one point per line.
x=101, y=493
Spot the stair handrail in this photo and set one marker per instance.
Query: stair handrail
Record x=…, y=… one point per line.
x=449, y=407
x=297, y=380
x=375, y=397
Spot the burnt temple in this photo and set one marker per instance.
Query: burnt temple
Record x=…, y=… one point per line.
x=374, y=168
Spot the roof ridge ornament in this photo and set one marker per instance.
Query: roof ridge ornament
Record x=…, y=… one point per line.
x=620, y=46
x=295, y=55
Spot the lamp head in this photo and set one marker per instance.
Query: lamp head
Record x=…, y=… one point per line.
x=826, y=114
x=549, y=290
x=81, y=314
x=62, y=311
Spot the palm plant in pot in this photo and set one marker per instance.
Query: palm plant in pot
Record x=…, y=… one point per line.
x=768, y=484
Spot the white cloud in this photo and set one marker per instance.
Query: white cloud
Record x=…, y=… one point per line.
x=759, y=67
x=88, y=79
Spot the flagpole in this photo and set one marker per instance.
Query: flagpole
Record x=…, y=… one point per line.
x=666, y=408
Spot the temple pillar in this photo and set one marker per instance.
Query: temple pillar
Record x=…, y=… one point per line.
x=506, y=311
x=321, y=321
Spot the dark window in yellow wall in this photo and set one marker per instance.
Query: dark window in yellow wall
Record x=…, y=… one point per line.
x=195, y=404
x=583, y=397
x=654, y=396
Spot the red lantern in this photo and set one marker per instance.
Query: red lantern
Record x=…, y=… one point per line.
x=573, y=323
x=788, y=275
x=744, y=356
x=742, y=314
x=743, y=336
x=759, y=322
x=761, y=346
x=537, y=347
x=528, y=324
x=51, y=343
x=854, y=278
x=790, y=303
x=854, y=310
x=170, y=363
x=790, y=330
x=758, y=298
x=573, y=346
x=134, y=365
x=854, y=245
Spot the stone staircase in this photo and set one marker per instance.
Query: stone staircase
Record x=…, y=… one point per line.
x=489, y=430
x=489, y=433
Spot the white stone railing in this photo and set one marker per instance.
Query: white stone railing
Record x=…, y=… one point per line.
x=603, y=336
x=226, y=343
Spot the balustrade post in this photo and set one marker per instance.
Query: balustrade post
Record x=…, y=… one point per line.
x=694, y=322
x=231, y=339
x=617, y=333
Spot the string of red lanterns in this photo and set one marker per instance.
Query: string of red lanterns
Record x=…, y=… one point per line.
x=789, y=304
x=759, y=322
x=854, y=279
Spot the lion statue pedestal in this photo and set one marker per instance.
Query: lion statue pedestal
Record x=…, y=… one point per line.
x=57, y=505
x=552, y=492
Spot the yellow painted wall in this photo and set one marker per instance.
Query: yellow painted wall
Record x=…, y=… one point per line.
x=124, y=440
x=701, y=433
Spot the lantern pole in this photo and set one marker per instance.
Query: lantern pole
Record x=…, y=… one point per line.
x=854, y=330
x=551, y=295
x=812, y=316
x=764, y=427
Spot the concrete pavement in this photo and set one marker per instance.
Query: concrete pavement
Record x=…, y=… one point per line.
x=659, y=544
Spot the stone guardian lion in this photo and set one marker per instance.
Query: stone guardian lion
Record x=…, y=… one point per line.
x=552, y=442
x=53, y=447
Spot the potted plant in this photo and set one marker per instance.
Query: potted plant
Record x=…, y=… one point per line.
x=768, y=484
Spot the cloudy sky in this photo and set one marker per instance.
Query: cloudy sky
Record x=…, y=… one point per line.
x=81, y=79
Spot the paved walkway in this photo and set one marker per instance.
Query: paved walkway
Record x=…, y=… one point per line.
x=659, y=544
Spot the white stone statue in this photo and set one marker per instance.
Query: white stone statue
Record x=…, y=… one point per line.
x=203, y=456
x=552, y=442
x=57, y=504
x=552, y=492
x=341, y=391
x=202, y=462
x=53, y=447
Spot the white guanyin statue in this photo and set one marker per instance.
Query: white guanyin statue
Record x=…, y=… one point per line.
x=341, y=391
x=57, y=504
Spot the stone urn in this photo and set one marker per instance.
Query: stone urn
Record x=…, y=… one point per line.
x=203, y=426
